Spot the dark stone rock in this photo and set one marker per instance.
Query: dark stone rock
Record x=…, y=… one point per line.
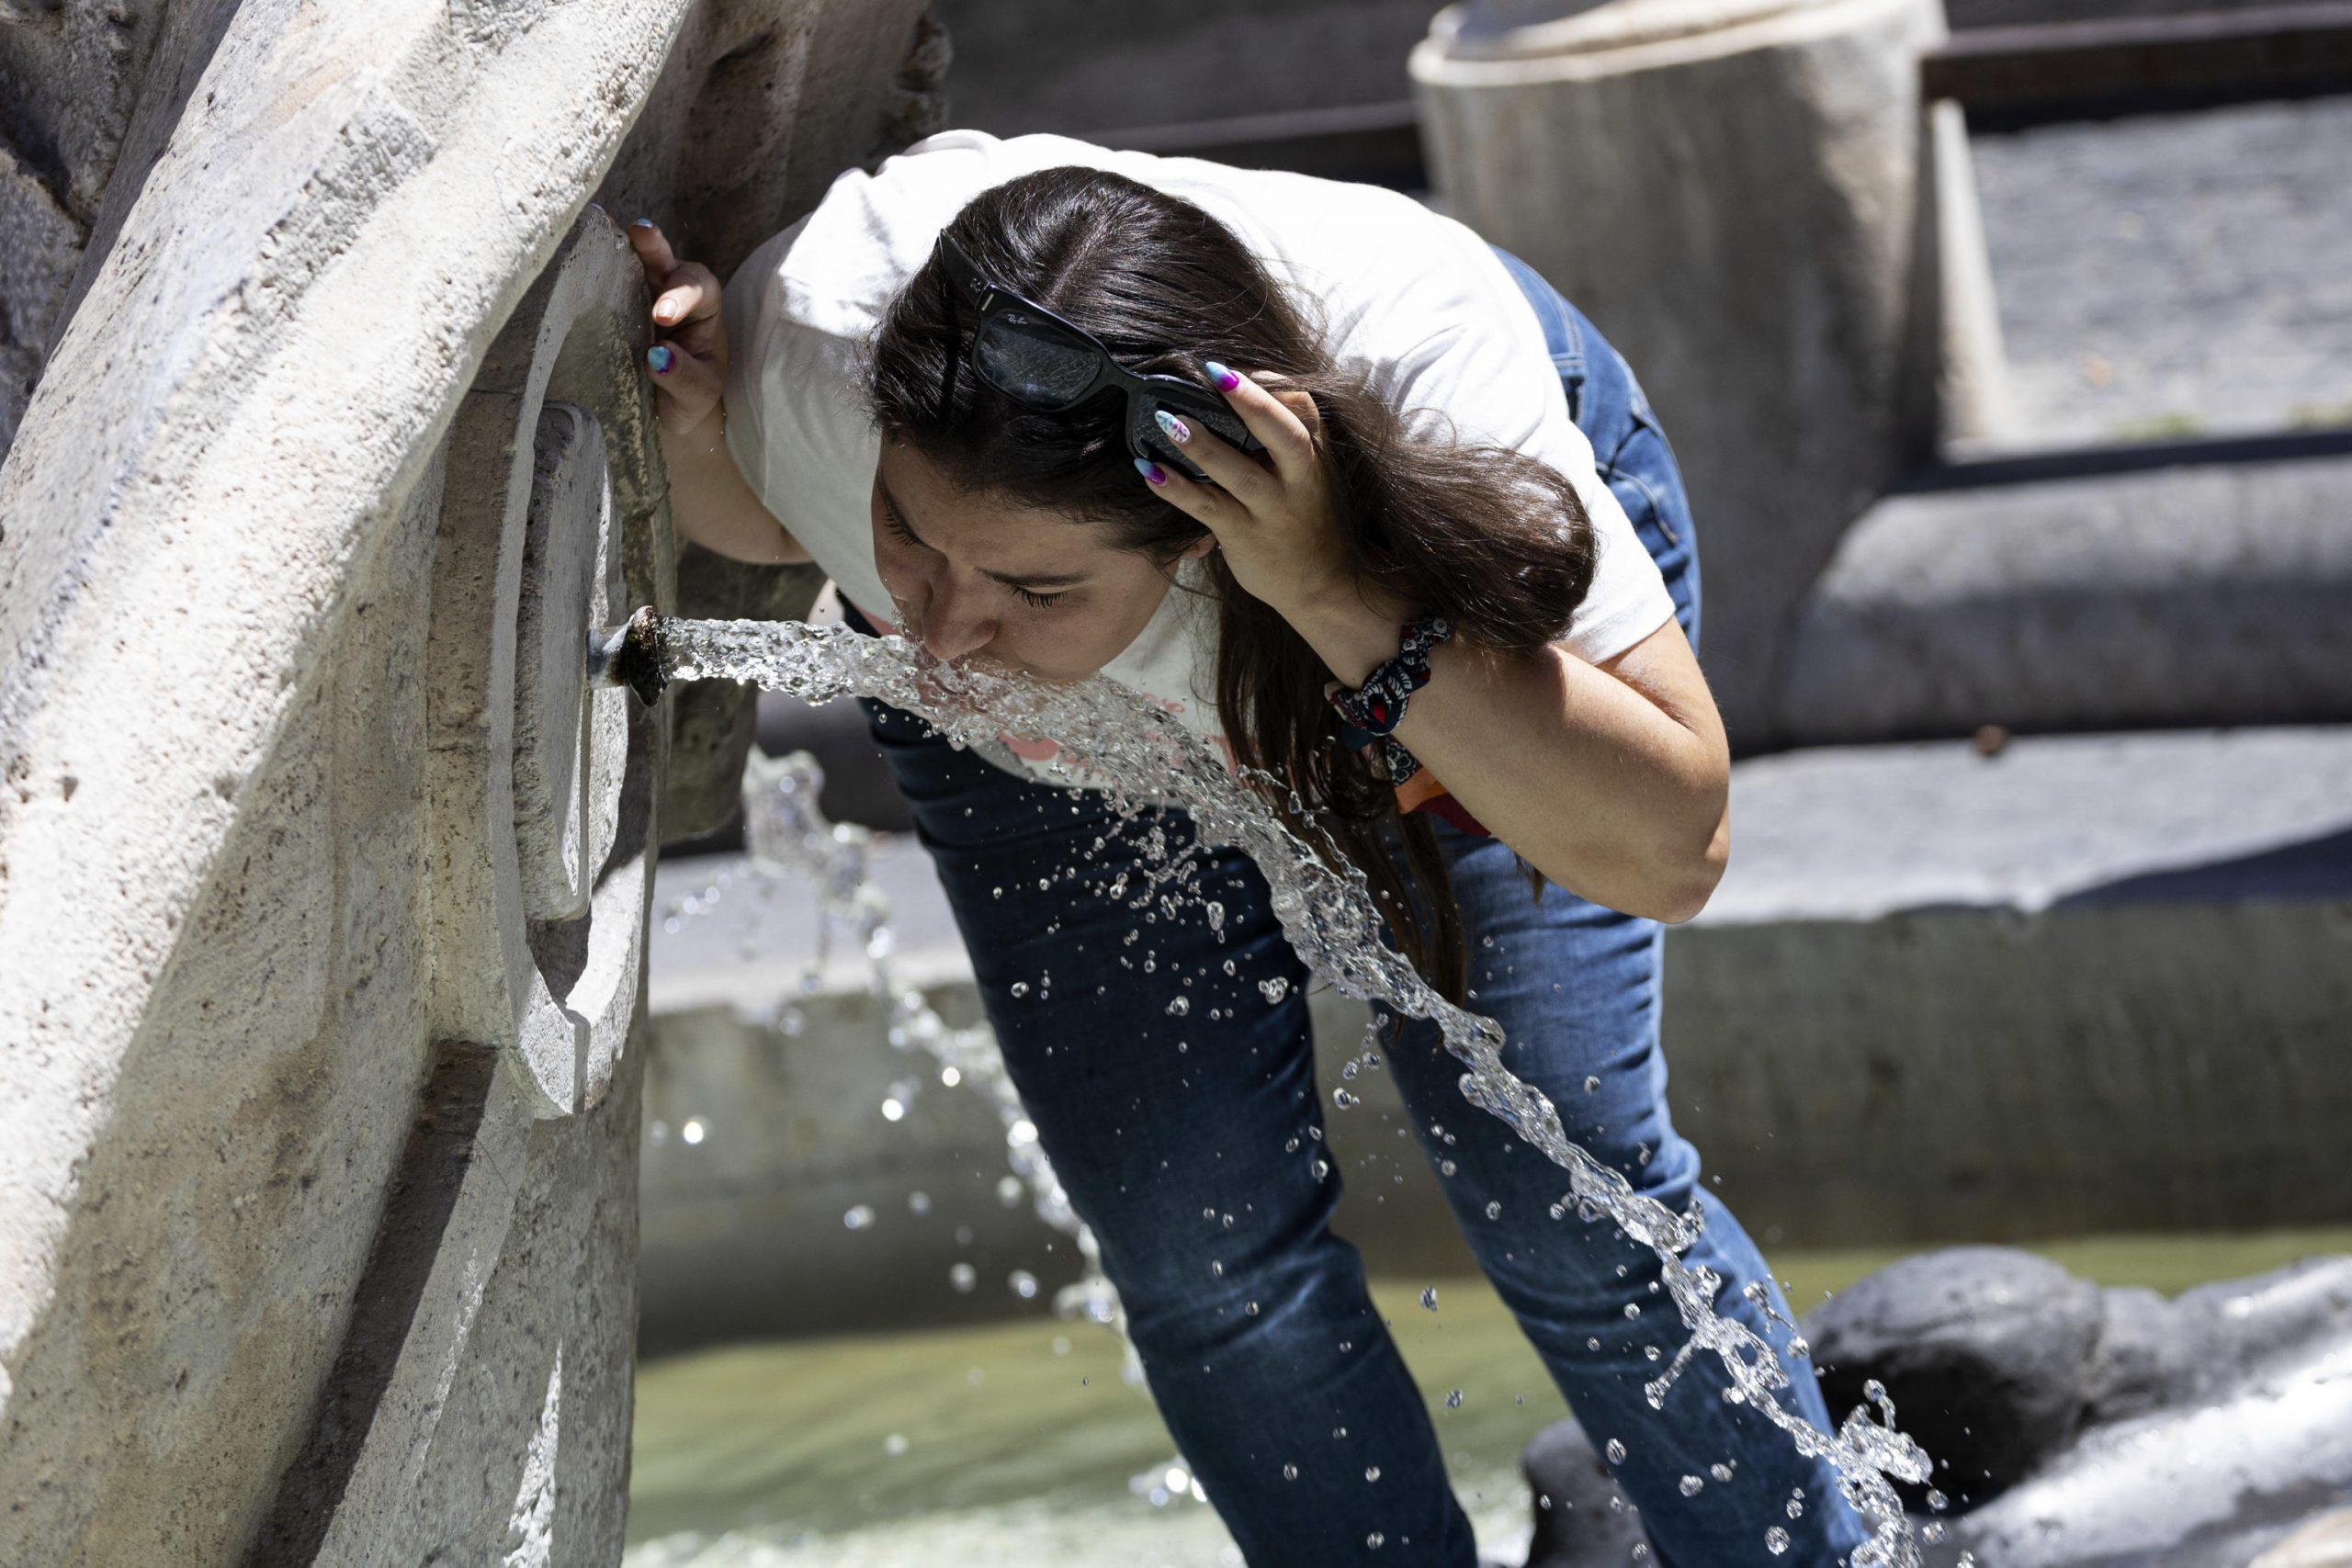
x=2144, y=1360
x=1986, y=1352
x=1583, y=1519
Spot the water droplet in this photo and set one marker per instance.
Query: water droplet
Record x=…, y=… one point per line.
x=1290, y=1473
x=1493, y=1209
x=1776, y=1540
x=895, y=1444
x=1692, y=1486
x=963, y=1276
x=1178, y=1007
x=1376, y=1540
x=1275, y=989
x=1616, y=1452
x=1023, y=1283
x=919, y=1202
x=1372, y=1472
x=693, y=1130
x=1020, y=987
x=1454, y=1400
x=858, y=1218
x=1429, y=1297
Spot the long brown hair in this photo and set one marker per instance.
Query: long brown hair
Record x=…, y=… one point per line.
x=1494, y=540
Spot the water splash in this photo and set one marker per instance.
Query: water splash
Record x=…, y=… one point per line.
x=785, y=835
x=1144, y=760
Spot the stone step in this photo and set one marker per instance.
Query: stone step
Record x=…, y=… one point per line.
x=2092, y=983
x=2187, y=594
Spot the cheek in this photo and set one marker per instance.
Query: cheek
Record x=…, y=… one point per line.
x=1074, y=645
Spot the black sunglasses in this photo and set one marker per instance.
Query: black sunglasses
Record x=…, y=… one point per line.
x=1042, y=362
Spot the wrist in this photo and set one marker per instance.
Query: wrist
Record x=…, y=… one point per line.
x=1352, y=624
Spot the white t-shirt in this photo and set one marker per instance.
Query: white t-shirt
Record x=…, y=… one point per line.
x=1410, y=298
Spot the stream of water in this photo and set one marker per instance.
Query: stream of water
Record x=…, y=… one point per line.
x=1145, y=758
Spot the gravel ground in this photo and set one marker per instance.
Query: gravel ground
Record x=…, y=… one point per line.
x=2173, y=275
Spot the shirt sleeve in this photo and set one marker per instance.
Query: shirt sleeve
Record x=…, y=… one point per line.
x=792, y=426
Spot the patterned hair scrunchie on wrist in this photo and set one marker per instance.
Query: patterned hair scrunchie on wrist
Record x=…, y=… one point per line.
x=1378, y=705
x=1368, y=713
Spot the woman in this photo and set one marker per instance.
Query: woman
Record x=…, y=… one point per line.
x=1462, y=497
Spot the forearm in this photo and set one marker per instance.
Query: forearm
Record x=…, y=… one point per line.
x=711, y=504
x=1595, y=786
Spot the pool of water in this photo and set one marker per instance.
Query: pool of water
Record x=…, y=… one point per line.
x=1018, y=1443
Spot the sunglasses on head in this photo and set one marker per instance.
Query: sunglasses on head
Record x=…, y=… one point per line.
x=1040, y=361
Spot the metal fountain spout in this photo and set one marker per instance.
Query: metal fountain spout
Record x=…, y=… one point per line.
x=629, y=655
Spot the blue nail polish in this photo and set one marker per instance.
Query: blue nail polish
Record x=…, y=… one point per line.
x=660, y=358
x=1178, y=431
x=1226, y=379
x=1151, y=470
x=595, y=207
x=641, y=223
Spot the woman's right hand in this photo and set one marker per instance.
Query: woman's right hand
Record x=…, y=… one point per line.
x=687, y=361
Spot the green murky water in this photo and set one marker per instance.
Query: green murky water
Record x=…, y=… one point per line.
x=1014, y=1443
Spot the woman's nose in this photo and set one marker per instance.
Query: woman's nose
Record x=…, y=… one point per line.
x=951, y=626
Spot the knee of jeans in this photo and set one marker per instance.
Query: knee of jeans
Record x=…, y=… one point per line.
x=1186, y=1302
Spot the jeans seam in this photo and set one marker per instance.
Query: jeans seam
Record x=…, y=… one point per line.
x=1654, y=498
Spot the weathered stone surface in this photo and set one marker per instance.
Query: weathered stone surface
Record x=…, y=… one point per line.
x=323, y=1009
x=2193, y=593
x=763, y=107
x=1077, y=67
x=2241, y=1457
x=2122, y=319
x=1582, y=1515
x=2059, y=990
x=2326, y=1543
x=1985, y=1351
x=1789, y=257
x=2228, y=1468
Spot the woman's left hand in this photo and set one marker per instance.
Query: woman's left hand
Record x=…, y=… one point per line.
x=1271, y=513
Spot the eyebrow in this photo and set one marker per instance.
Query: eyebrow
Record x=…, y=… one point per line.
x=1045, y=582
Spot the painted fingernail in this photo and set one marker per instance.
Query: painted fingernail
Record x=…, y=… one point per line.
x=1151, y=470
x=641, y=223
x=597, y=207
x=1178, y=431
x=1226, y=379
x=660, y=358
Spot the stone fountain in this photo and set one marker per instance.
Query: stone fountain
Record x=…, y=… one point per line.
x=324, y=871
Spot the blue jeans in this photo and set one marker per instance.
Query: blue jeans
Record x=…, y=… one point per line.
x=1189, y=1142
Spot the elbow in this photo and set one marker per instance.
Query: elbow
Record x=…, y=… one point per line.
x=1687, y=892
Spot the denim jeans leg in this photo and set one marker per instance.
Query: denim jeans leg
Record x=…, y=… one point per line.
x=1576, y=989
x=1178, y=1106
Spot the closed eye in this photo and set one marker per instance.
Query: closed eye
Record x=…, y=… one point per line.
x=1029, y=596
